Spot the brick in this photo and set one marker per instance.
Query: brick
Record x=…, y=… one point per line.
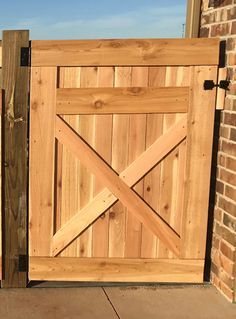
x=231, y=163
x=215, y=241
x=230, y=192
x=226, y=291
x=221, y=15
x=230, y=119
x=224, y=131
x=227, y=206
x=230, y=222
x=204, y=32
x=232, y=135
x=232, y=89
x=219, y=187
x=218, y=214
x=221, y=160
x=223, y=262
x=220, y=29
x=231, y=13
x=226, y=234
x=234, y=104
x=231, y=59
x=219, y=3
x=228, y=101
x=228, y=177
x=227, y=250
x=228, y=148
x=215, y=280
x=231, y=44
x=222, y=275
x=231, y=73
x=233, y=28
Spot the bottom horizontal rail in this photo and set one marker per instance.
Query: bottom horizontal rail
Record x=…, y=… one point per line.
x=115, y=269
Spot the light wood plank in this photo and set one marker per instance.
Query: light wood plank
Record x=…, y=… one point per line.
x=69, y=188
x=152, y=179
x=88, y=79
x=120, y=150
x=220, y=95
x=130, y=175
x=123, y=100
x=103, y=145
x=167, y=191
x=116, y=270
x=198, y=159
x=41, y=165
x=137, y=134
x=125, y=52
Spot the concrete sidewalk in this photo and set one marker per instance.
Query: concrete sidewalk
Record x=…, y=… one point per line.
x=159, y=302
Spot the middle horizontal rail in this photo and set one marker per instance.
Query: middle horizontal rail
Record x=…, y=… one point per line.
x=125, y=100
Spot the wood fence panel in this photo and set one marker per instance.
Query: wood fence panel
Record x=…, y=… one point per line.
x=127, y=145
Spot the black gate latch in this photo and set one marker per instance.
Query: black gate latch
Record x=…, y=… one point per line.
x=209, y=85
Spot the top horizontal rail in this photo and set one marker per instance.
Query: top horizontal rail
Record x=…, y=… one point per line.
x=125, y=52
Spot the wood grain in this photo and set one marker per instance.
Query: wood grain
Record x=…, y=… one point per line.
x=119, y=161
x=15, y=82
x=130, y=175
x=137, y=134
x=41, y=161
x=68, y=196
x=125, y=52
x=102, y=145
x=88, y=79
x=152, y=179
x=198, y=159
x=122, y=100
x=116, y=270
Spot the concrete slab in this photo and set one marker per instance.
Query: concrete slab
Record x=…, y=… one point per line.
x=165, y=302
x=59, y=303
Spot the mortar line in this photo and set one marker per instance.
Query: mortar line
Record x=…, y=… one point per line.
x=113, y=307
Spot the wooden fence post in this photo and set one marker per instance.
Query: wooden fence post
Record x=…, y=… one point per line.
x=15, y=82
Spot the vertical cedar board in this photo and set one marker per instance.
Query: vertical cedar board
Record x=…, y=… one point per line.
x=15, y=82
x=41, y=159
x=198, y=163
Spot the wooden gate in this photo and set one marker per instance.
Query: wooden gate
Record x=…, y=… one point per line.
x=120, y=155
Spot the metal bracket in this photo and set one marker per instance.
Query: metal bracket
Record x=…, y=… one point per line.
x=210, y=85
x=23, y=263
x=25, y=56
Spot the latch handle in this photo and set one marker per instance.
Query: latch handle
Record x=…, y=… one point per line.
x=210, y=85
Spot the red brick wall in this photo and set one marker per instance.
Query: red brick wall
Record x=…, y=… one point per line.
x=218, y=19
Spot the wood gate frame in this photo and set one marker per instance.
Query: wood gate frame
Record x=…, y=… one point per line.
x=15, y=130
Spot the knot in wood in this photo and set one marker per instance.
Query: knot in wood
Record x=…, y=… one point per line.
x=98, y=104
x=115, y=44
x=136, y=90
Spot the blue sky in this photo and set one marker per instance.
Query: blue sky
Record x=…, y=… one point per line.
x=77, y=19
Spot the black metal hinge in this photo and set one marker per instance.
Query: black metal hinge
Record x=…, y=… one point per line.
x=25, y=56
x=210, y=85
x=23, y=263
